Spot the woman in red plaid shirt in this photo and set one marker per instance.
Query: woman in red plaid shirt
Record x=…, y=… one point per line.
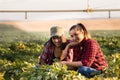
x=86, y=57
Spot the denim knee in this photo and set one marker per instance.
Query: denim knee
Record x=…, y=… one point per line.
x=83, y=71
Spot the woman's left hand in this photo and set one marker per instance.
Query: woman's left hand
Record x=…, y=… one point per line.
x=61, y=62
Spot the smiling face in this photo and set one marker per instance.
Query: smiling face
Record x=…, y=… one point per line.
x=76, y=35
x=56, y=41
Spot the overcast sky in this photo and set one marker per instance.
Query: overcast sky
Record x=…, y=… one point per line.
x=58, y=5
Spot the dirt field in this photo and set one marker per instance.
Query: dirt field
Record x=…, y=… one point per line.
x=92, y=24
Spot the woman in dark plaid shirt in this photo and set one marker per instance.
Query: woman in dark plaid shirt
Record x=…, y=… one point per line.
x=53, y=47
x=86, y=57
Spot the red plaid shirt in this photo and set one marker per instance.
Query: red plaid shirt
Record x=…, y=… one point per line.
x=90, y=54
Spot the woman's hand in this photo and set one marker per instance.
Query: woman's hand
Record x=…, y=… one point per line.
x=73, y=43
x=61, y=62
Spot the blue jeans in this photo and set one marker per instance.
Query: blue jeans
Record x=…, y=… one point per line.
x=88, y=72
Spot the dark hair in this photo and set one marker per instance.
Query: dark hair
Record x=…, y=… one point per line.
x=81, y=27
x=63, y=45
x=50, y=42
x=72, y=27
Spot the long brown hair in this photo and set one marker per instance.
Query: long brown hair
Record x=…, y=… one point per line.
x=81, y=27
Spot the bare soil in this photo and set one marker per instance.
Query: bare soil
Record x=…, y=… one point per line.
x=45, y=25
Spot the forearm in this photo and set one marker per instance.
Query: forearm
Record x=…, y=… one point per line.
x=64, y=54
x=74, y=64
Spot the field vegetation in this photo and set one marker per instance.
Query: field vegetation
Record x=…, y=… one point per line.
x=19, y=53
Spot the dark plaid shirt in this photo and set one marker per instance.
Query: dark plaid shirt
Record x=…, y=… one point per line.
x=47, y=55
x=90, y=54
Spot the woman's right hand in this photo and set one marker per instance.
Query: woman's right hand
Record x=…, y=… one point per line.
x=72, y=44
